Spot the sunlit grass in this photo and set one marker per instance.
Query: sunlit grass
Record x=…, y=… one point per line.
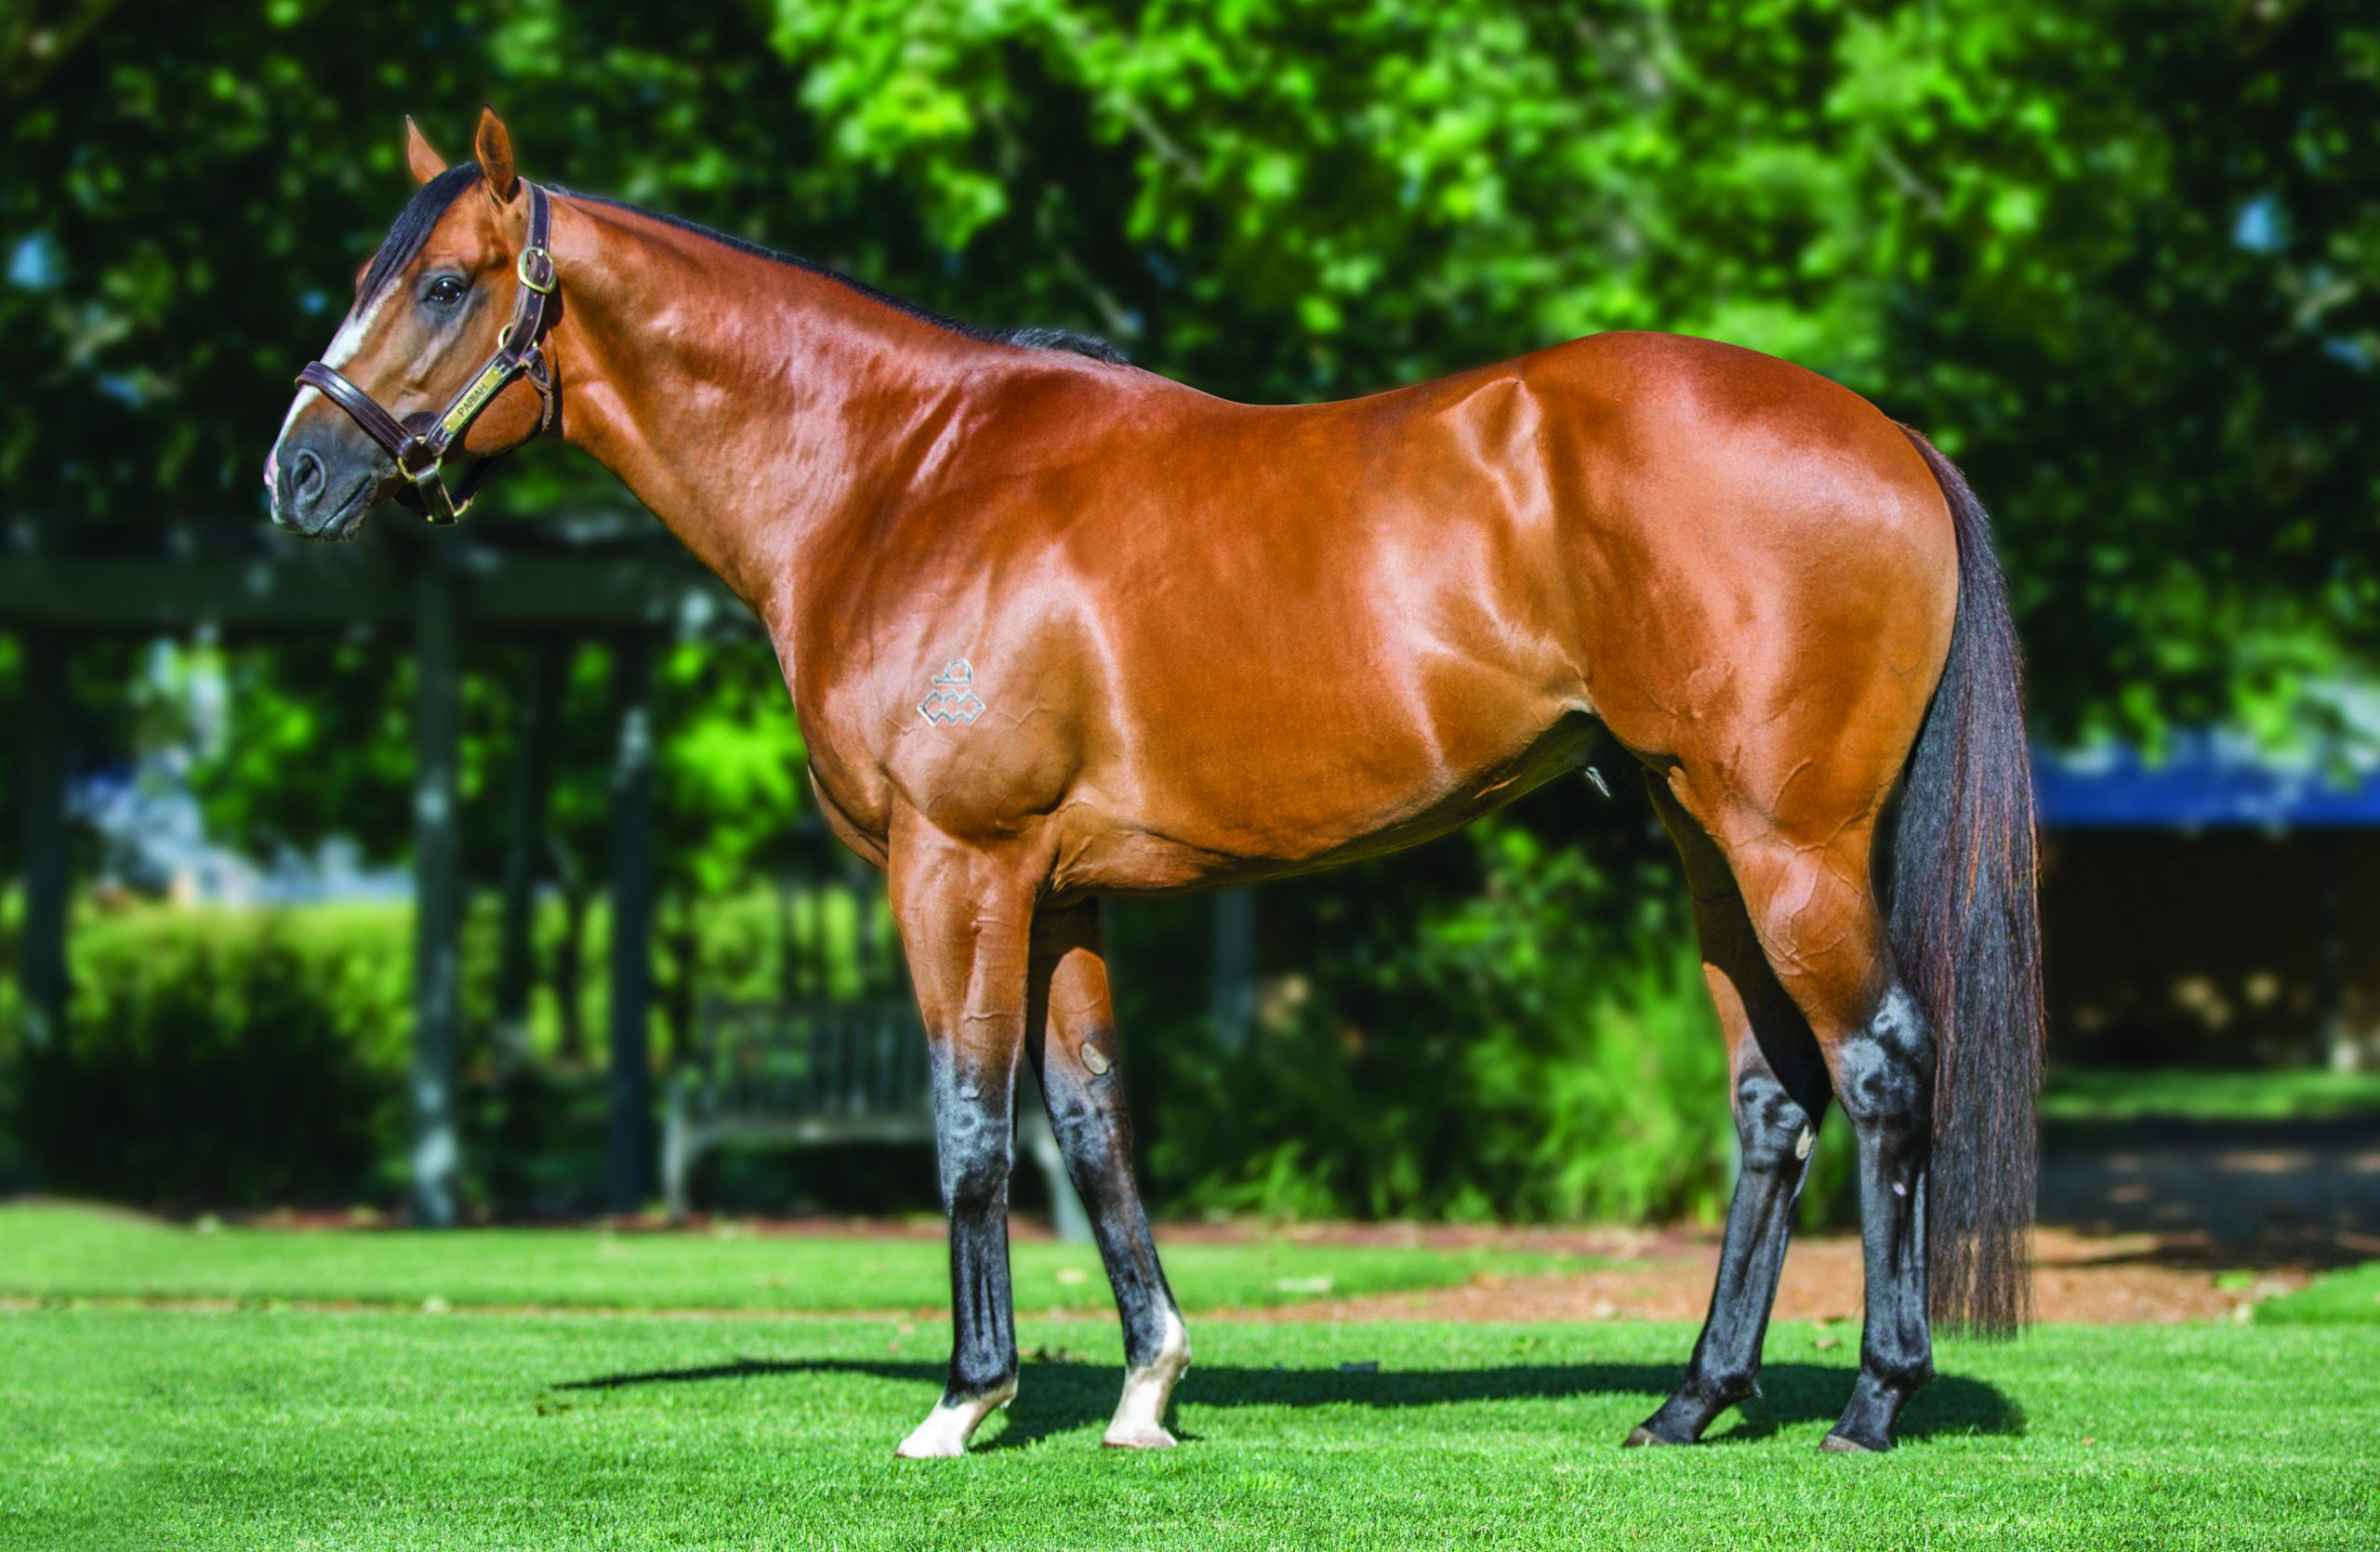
x=60, y=1251
x=2089, y=1094
x=145, y=1429
x=2349, y=1297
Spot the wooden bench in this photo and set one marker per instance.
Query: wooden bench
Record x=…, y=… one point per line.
x=801, y=1074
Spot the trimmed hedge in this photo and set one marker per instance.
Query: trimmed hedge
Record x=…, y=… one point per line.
x=237, y=1057
x=220, y=1057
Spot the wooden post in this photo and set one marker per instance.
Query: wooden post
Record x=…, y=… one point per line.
x=42, y=769
x=631, y=1076
x=438, y=897
x=532, y=769
x=1234, y=989
x=2338, y=1052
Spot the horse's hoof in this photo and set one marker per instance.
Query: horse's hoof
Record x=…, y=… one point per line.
x=1137, y=1436
x=1835, y=1444
x=1641, y=1436
x=948, y=1426
x=922, y=1446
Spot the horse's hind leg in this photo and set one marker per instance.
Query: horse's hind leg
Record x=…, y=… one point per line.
x=1779, y=1091
x=1884, y=1069
x=1813, y=905
x=1073, y=1048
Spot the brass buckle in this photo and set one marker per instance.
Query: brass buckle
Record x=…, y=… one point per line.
x=438, y=508
x=521, y=269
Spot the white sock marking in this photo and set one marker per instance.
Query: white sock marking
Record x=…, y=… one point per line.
x=1139, y=1416
x=948, y=1427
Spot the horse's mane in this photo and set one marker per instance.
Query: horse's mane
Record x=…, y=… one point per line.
x=1030, y=339
x=420, y=216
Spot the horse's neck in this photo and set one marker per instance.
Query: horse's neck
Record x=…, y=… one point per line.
x=756, y=406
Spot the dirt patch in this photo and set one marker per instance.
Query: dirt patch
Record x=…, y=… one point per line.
x=2122, y=1280
x=2119, y=1280
x=2105, y=1277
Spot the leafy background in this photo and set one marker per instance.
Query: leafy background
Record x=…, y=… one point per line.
x=2120, y=258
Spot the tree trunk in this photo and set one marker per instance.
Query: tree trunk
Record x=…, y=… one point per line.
x=570, y=958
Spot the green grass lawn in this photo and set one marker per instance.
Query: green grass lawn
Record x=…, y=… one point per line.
x=60, y=1251
x=2089, y=1095
x=2349, y=1297
x=280, y=1429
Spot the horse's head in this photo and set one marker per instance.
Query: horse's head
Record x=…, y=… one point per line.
x=447, y=315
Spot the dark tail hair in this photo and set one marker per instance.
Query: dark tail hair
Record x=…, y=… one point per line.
x=1968, y=938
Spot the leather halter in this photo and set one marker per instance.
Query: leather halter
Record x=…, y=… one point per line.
x=420, y=443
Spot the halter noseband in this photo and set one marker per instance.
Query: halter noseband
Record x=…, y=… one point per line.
x=421, y=454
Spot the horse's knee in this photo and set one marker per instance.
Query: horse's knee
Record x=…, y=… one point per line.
x=974, y=1131
x=975, y=1168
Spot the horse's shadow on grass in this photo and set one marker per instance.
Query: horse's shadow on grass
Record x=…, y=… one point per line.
x=1061, y=1396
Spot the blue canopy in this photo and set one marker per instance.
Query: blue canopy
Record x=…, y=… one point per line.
x=2205, y=781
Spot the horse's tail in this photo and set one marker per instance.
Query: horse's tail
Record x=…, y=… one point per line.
x=1968, y=938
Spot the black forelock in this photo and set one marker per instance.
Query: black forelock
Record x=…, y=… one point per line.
x=413, y=226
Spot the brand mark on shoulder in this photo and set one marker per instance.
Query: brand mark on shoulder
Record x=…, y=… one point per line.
x=953, y=698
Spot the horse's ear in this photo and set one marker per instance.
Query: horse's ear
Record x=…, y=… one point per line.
x=495, y=148
x=425, y=163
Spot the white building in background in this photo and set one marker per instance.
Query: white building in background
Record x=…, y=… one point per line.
x=152, y=831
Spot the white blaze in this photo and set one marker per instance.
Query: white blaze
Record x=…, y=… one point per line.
x=344, y=346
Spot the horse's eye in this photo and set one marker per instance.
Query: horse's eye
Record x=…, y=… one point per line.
x=445, y=291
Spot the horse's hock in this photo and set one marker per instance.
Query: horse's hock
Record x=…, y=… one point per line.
x=810, y=1073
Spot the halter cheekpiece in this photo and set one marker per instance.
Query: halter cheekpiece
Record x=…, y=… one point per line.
x=420, y=443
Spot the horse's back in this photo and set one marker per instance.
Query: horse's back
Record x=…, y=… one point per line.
x=1210, y=639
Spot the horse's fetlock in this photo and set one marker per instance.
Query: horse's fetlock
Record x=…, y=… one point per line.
x=1725, y=1388
x=981, y=1385
x=1900, y=1373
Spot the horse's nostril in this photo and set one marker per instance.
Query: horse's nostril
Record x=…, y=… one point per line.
x=306, y=477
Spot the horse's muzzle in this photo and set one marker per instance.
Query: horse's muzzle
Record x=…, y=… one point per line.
x=320, y=489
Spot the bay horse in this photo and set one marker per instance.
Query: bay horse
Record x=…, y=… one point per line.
x=1056, y=629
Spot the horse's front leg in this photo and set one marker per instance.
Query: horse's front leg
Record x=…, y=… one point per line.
x=966, y=922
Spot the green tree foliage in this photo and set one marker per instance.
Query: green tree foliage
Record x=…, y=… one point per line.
x=2122, y=259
